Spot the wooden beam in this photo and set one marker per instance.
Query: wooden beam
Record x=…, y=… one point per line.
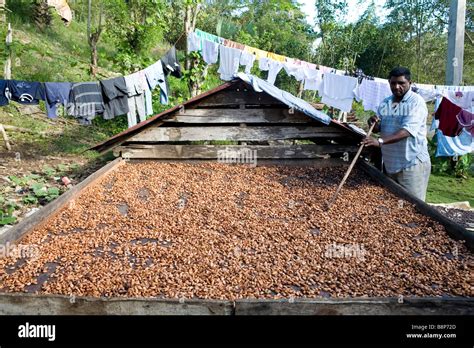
x=164, y=134
x=357, y=306
x=239, y=116
x=228, y=98
x=236, y=112
x=31, y=304
x=50, y=210
x=141, y=151
x=235, y=119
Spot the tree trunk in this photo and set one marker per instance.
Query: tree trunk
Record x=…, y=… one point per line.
x=300, y=89
x=42, y=14
x=93, y=38
x=7, y=73
x=190, y=17
x=3, y=5
x=94, y=57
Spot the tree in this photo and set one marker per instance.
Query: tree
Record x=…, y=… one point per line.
x=93, y=36
x=194, y=64
x=42, y=14
x=277, y=26
x=137, y=27
x=419, y=20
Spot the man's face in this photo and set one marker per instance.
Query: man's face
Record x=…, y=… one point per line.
x=399, y=85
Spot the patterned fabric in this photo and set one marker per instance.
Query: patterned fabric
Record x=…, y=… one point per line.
x=454, y=146
x=372, y=93
x=410, y=114
x=466, y=120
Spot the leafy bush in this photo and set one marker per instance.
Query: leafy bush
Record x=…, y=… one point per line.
x=6, y=211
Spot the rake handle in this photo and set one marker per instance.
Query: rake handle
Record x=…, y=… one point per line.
x=356, y=157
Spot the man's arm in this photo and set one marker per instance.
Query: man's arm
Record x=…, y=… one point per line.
x=410, y=126
x=389, y=139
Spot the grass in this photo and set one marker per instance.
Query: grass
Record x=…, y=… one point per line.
x=447, y=189
x=58, y=53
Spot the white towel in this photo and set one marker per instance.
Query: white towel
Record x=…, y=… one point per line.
x=338, y=91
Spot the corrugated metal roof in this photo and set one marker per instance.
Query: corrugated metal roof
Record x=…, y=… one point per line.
x=123, y=136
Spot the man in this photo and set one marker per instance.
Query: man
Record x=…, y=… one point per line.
x=402, y=126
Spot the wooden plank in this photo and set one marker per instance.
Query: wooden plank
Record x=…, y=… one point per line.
x=228, y=98
x=239, y=112
x=141, y=151
x=239, y=116
x=278, y=162
x=31, y=304
x=357, y=306
x=163, y=134
x=454, y=230
x=43, y=215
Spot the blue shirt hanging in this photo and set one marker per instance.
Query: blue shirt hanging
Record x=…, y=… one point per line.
x=25, y=92
x=3, y=98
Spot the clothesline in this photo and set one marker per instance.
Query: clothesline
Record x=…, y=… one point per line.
x=130, y=94
x=335, y=87
x=454, y=118
x=259, y=54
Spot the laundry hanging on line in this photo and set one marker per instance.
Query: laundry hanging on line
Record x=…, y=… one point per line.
x=115, y=96
x=371, y=93
x=459, y=145
x=454, y=129
x=107, y=98
x=57, y=93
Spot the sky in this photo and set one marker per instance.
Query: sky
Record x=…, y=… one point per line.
x=355, y=10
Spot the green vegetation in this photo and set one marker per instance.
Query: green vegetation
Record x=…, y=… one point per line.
x=40, y=187
x=7, y=208
x=444, y=188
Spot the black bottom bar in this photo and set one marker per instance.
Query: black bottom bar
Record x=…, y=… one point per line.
x=134, y=330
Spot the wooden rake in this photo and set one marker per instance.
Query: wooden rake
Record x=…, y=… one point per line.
x=356, y=157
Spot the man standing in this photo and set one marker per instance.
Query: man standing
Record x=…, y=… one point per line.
x=402, y=127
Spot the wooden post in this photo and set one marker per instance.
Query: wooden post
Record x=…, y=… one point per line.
x=342, y=116
x=455, y=59
x=7, y=73
x=5, y=137
x=3, y=17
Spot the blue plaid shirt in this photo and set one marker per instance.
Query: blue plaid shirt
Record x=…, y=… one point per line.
x=409, y=114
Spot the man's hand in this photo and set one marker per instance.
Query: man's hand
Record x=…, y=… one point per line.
x=369, y=141
x=372, y=119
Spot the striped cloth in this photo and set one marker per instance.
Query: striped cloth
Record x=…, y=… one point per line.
x=85, y=101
